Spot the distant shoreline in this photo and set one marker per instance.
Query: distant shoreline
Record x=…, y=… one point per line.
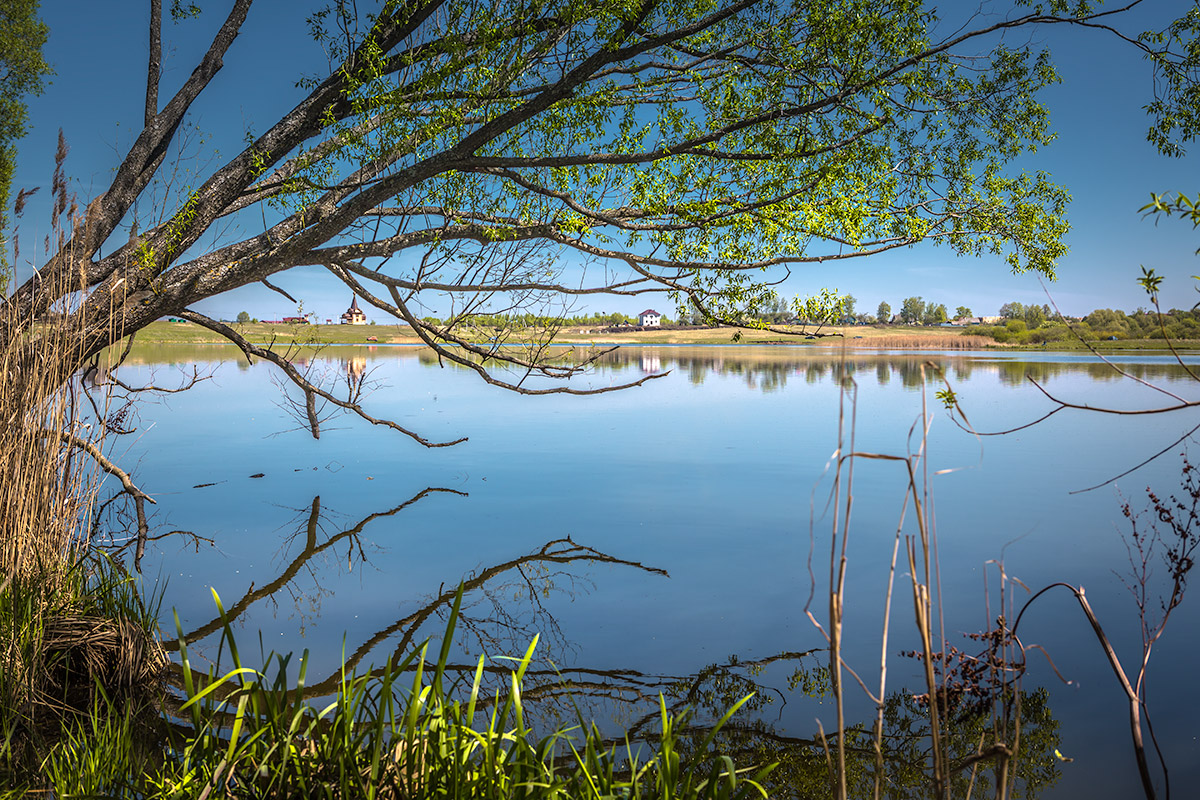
x=864, y=336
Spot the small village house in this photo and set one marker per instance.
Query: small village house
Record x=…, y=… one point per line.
x=649, y=318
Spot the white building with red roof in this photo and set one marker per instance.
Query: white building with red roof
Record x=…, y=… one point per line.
x=649, y=318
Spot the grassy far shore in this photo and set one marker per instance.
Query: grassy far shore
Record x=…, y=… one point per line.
x=870, y=336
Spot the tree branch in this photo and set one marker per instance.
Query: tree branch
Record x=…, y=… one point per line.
x=154, y=62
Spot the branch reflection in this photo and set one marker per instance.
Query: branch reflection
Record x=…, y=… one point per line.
x=503, y=608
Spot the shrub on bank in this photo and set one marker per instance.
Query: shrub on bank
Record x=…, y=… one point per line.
x=1016, y=332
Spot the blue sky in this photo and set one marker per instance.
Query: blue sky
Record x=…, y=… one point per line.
x=1101, y=156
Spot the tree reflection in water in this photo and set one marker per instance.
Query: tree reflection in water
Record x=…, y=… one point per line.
x=762, y=367
x=769, y=368
x=502, y=611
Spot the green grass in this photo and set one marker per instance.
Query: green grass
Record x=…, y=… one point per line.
x=864, y=336
x=262, y=333
x=1104, y=345
x=407, y=730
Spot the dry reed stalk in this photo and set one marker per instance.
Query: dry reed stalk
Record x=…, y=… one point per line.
x=921, y=554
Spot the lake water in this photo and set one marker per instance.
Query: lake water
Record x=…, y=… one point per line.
x=668, y=538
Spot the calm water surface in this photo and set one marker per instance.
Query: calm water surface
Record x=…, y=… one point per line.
x=668, y=538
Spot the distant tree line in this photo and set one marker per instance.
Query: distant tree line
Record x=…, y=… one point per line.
x=913, y=311
x=1039, y=324
x=837, y=309
x=1023, y=324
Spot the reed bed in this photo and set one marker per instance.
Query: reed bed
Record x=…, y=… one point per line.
x=44, y=493
x=916, y=341
x=48, y=444
x=72, y=628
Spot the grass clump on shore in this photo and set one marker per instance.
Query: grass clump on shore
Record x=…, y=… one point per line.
x=79, y=657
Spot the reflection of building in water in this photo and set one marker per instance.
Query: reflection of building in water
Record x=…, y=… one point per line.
x=356, y=367
x=651, y=362
x=354, y=315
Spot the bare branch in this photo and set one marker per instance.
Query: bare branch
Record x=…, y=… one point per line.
x=140, y=498
x=276, y=289
x=102, y=461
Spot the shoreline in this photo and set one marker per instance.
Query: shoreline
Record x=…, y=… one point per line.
x=857, y=337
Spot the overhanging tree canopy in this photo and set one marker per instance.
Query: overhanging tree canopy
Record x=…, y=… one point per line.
x=22, y=67
x=677, y=146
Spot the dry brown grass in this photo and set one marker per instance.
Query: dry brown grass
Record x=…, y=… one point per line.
x=45, y=489
x=90, y=649
x=917, y=341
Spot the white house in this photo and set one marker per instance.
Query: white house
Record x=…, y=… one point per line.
x=649, y=318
